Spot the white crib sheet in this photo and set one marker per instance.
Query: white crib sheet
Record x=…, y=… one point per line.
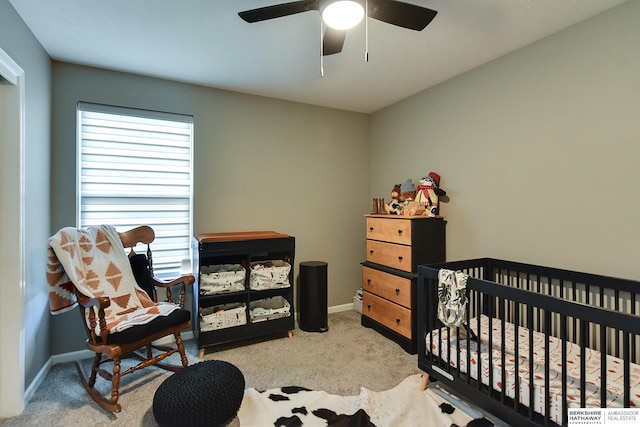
x=615, y=367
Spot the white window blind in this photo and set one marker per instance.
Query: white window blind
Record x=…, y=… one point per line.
x=135, y=168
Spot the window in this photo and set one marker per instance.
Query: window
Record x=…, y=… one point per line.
x=134, y=168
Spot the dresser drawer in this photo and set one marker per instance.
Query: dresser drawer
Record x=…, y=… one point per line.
x=389, y=254
x=393, y=316
x=394, y=288
x=389, y=230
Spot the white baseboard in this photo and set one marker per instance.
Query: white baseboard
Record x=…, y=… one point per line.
x=87, y=354
x=29, y=392
x=334, y=309
x=186, y=336
x=343, y=307
x=71, y=356
x=54, y=360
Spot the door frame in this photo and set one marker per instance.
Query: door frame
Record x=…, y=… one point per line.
x=12, y=236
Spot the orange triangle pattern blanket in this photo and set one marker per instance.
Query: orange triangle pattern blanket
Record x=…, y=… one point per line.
x=94, y=261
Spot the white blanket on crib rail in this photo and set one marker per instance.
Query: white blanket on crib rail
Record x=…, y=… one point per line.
x=452, y=297
x=615, y=367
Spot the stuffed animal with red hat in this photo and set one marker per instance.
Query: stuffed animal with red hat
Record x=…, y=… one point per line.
x=428, y=192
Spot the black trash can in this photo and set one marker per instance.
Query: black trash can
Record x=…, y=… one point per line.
x=313, y=307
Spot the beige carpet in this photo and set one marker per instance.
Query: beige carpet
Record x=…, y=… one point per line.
x=339, y=361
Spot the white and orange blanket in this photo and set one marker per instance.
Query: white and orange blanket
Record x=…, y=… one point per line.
x=93, y=261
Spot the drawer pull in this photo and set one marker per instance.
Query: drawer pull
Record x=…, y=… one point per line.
x=397, y=291
x=371, y=251
x=399, y=258
x=398, y=321
x=369, y=306
x=368, y=280
x=370, y=228
x=400, y=232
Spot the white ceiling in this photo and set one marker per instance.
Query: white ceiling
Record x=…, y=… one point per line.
x=206, y=43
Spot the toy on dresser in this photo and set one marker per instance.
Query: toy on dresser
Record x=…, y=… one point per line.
x=408, y=200
x=426, y=200
x=395, y=206
x=428, y=193
x=407, y=192
x=401, y=196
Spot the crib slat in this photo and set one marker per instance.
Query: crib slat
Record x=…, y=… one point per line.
x=583, y=371
x=627, y=371
x=431, y=320
x=468, y=323
x=616, y=295
x=574, y=327
x=603, y=366
x=516, y=355
x=633, y=311
x=539, y=288
x=449, y=348
x=530, y=373
x=490, y=359
x=479, y=329
x=547, y=394
x=565, y=365
x=503, y=372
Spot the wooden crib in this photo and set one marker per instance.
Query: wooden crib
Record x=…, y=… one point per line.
x=547, y=329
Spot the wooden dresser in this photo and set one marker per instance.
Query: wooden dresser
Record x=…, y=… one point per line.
x=396, y=245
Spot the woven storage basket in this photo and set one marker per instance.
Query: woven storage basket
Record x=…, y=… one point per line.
x=223, y=316
x=223, y=278
x=269, y=309
x=269, y=275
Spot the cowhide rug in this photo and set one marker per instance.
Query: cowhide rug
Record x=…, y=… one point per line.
x=403, y=405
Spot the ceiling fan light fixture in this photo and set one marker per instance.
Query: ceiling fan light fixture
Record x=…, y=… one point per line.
x=343, y=14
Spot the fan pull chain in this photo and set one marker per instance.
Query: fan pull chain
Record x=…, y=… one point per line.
x=321, y=48
x=366, y=30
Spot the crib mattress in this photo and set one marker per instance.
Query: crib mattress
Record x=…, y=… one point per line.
x=615, y=367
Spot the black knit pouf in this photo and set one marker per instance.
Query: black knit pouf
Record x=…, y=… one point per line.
x=205, y=394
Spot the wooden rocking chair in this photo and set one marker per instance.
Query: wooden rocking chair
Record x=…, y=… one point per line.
x=112, y=347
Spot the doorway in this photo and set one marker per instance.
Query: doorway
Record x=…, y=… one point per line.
x=12, y=257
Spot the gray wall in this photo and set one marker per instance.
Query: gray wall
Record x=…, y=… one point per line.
x=260, y=164
x=538, y=150
x=20, y=44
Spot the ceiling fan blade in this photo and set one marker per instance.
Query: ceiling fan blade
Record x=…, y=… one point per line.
x=333, y=41
x=279, y=10
x=404, y=15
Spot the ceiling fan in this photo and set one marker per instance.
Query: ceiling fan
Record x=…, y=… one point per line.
x=393, y=12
